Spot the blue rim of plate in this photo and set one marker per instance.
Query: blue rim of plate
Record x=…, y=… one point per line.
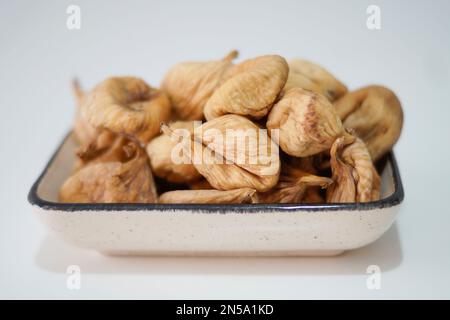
x=394, y=199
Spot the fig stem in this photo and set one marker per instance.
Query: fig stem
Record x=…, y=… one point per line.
x=231, y=56
x=77, y=91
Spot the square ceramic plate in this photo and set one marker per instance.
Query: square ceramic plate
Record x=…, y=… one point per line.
x=243, y=229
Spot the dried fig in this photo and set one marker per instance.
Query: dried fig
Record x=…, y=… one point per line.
x=308, y=75
x=114, y=149
x=306, y=121
x=375, y=115
x=83, y=131
x=293, y=185
x=251, y=89
x=232, y=152
x=244, y=195
x=190, y=85
x=160, y=151
x=112, y=182
x=312, y=165
x=128, y=106
x=355, y=178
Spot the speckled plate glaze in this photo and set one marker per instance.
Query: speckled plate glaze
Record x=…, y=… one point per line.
x=239, y=230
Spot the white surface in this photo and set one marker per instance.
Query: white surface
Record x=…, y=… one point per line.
x=39, y=55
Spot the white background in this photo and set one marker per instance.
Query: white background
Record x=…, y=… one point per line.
x=39, y=56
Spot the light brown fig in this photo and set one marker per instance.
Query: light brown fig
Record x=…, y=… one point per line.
x=164, y=164
x=355, y=178
x=232, y=152
x=375, y=115
x=112, y=182
x=309, y=75
x=244, y=195
x=85, y=133
x=304, y=123
x=293, y=186
x=189, y=85
x=251, y=88
x=127, y=106
x=368, y=184
x=104, y=149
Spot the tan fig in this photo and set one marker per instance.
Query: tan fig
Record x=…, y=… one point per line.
x=304, y=123
x=251, y=88
x=127, y=106
x=104, y=149
x=232, y=152
x=375, y=115
x=162, y=159
x=93, y=142
x=293, y=186
x=189, y=85
x=369, y=182
x=244, y=195
x=84, y=132
x=308, y=75
x=112, y=182
x=355, y=178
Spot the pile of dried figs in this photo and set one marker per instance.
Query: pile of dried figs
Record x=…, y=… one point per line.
x=260, y=131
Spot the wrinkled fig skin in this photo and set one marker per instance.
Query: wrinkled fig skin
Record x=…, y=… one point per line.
x=308, y=75
x=293, y=186
x=244, y=195
x=112, y=182
x=189, y=85
x=375, y=115
x=105, y=148
x=127, y=106
x=251, y=88
x=355, y=177
x=93, y=142
x=376, y=185
x=228, y=173
x=159, y=151
x=357, y=155
x=307, y=123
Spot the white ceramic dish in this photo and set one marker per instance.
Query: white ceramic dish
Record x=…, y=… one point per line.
x=247, y=229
